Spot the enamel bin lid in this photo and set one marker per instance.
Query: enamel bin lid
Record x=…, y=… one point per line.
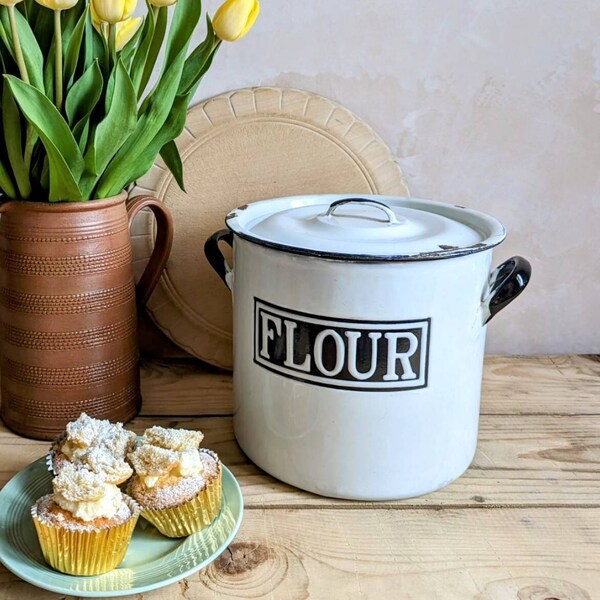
x=366, y=228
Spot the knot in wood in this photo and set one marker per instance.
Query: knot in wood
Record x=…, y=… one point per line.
x=241, y=557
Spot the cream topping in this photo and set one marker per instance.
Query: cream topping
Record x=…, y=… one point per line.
x=85, y=494
x=150, y=480
x=167, y=453
x=71, y=451
x=190, y=464
x=106, y=506
x=86, y=433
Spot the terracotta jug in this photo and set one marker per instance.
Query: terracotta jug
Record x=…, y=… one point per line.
x=68, y=310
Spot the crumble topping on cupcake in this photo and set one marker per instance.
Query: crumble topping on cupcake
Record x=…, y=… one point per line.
x=176, y=483
x=82, y=433
x=84, y=527
x=165, y=453
x=86, y=495
x=86, y=433
x=102, y=462
x=178, y=440
x=169, y=489
x=152, y=463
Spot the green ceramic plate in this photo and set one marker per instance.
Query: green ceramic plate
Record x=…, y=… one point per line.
x=152, y=560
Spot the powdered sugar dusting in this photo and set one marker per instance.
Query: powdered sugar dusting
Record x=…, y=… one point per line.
x=85, y=438
x=152, y=460
x=86, y=430
x=173, y=491
x=49, y=513
x=178, y=440
x=104, y=463
x=79, y=484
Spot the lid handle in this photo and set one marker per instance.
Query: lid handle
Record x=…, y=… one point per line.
x=374, y=203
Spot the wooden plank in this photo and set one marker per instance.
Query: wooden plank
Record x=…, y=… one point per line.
x=512, y=385
x=521, y=461
x=541, y=384
x=495, y=554
x=185, y=388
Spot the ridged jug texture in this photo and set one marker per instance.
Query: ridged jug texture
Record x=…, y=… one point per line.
x=68, y=310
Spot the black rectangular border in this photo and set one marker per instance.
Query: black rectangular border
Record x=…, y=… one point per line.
x=375, y=388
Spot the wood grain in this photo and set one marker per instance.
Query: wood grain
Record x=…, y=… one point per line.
x=520, y=461
x=523, y=523
x=566, y=385
x=496, y=554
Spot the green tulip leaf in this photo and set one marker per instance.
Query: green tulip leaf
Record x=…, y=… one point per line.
x=65, y=160
x=49, y=74
x=34, y=60
x=138, y=163
x=138, y=61
x=6, y=185
x=147, y=54
x=156, y=108
x=42, y=24
x=69, y=20
x=11, y=122
x=95, y=46
x=185, y=19
x=23, y=8
x=84, y=95
x=199, y=61
x=170, y=154
x=81, y=132
x=74, y=49
x=118, y=124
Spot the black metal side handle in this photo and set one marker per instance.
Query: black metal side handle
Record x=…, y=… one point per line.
x=215, y=256
x=506, y=283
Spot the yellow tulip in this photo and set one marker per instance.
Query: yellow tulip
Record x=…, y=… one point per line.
x=112, y=11
x=126, y=30
x=234, y=19
x=9, y=2
x=162, y=3
x=58, y=4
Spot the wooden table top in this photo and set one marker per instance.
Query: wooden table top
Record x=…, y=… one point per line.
x=522, y=524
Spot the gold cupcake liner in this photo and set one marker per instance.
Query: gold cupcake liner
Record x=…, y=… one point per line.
x=191, y=516
x=80, y=552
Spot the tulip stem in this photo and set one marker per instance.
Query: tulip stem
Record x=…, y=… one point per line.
x=17, y=44
x=58, y=62
x=112, y=42
x=30, y=137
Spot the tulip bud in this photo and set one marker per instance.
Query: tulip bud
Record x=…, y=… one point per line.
x=9, y=2
x=234, y=19
x=112, y=11
x=126, y=30
x=162, y=3
x=58, y=4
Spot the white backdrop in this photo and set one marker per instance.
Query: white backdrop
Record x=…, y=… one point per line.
x=493, y=105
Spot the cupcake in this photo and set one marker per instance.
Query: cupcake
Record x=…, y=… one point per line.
x=87, y=433
x=84, y=527
x=176, y=483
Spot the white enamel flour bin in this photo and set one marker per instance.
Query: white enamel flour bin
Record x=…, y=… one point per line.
x=359, y=331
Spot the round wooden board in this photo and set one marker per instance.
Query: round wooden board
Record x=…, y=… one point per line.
x=239, y=147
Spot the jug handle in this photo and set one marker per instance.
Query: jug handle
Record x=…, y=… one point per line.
x=507, y=281
x=162, y=245
x=215, y=256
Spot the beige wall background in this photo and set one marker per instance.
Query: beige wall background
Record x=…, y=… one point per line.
x=493, y=105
